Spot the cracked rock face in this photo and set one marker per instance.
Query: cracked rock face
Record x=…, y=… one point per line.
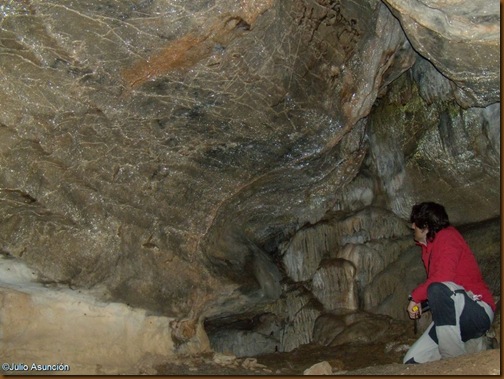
x=224, y=160
x=438, y=29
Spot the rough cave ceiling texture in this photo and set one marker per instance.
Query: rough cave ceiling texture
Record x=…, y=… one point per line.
x=210, y=158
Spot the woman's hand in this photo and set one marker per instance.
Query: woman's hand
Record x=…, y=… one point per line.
x=414, y=310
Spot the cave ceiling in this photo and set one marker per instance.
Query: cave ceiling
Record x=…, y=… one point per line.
x=163, y=150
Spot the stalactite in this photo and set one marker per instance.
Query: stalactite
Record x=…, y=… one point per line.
x=300, y=329
x=305, y=251
x=334, y=284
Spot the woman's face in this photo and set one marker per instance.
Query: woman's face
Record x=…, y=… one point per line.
x=420, y=235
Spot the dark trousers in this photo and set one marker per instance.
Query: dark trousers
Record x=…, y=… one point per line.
x=459, y=323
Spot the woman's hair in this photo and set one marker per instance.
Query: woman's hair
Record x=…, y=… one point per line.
x=429, y=215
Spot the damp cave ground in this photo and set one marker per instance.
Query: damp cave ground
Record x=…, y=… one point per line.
x=383, y=357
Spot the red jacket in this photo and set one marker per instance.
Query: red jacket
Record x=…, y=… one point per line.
x=448, y=258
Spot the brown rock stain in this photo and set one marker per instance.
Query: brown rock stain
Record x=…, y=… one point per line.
x=182, y=53
x=188, y=50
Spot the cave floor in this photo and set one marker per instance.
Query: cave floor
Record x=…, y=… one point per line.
x=383, y=357
x=344, y=360
x=341, y=359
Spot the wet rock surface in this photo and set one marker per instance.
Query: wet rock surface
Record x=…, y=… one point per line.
x=436, y=28
x=242, y=168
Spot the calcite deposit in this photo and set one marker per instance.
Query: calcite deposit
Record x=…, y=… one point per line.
x=234, y=170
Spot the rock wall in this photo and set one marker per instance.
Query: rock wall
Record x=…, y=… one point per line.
x=461, y=39
x=425, y=146
x=70, y=330
x=217, y=161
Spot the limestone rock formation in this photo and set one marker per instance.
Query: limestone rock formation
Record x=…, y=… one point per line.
x=217, y=162
x=461, y=39
x=71, y=330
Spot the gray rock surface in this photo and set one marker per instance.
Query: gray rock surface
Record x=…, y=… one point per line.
x=462, y=39
x=185, y=157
